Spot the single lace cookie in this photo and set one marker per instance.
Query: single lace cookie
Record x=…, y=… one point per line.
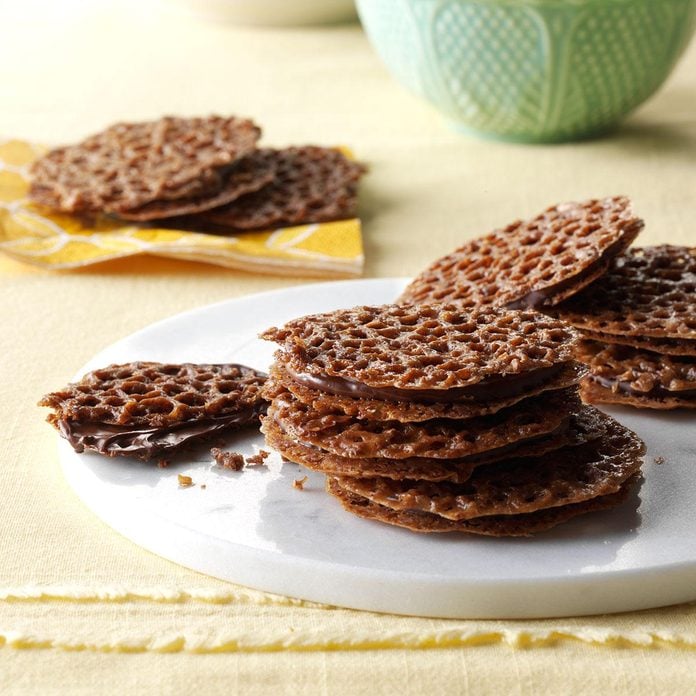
x=147, y=409
x=130, y=165
x=624, y=375
x=425, y=353
x=532, y=263
x=311, y=184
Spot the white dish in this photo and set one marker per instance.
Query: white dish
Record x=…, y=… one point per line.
x=256, y=529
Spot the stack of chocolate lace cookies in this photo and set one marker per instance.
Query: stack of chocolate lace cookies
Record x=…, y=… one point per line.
x=438, y=418
x=638, y=322
x=197, y=172
x=149, y=409
x=634, y=307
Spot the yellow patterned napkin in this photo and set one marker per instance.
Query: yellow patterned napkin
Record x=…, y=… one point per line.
x=35, y=235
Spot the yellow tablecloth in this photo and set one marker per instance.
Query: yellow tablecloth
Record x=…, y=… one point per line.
x=83, y=610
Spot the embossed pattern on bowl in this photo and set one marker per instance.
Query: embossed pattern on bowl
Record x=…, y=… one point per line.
x=531, y=70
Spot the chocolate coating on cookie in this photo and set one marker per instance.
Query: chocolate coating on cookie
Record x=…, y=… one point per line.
x=146, y=408
x=144, y=442
x=280, y=380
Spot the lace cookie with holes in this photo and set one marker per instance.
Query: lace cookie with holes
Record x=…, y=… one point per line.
x=646, y=299
x=522, y=525
x=563, y=477
x=440, y=439
x=586, y=425
x=148, y=409
x=399, y=405
x=417, y=348
x=532, y=263
x=311, y=184
x=245, y=176
x=634, y=377
x=130, y=165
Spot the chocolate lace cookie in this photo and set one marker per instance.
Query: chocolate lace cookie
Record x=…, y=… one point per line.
x=493, y=525
x=424, y=353
x=280, y=380
x=624, y=375
x=532, y=263
x=563, y=477
x=146, y=409
x=129, y=165
x=440, y=439
x=646, y=299
x=586, y=425
x=311, y=184
x=248, y=174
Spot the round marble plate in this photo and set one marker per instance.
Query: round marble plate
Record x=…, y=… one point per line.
x=256, y=529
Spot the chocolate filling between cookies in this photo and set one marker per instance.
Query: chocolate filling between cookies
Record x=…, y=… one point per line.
x=495, y=388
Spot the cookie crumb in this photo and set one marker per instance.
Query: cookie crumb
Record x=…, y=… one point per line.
x=659, y=460
x=258, y=459
x=203, y=486
x=227, y=459
x=163, y=463
x=184, y=481
x=300, y=483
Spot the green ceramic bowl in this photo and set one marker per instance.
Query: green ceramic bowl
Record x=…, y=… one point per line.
x=531, y=70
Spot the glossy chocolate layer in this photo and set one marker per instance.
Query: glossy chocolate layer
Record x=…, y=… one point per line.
x=656, y=392
x=497, y=388
x=146, y=442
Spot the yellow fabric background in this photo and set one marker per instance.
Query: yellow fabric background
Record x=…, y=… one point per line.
x=83, y=610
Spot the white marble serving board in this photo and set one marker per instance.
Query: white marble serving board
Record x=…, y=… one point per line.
x=256, y=529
